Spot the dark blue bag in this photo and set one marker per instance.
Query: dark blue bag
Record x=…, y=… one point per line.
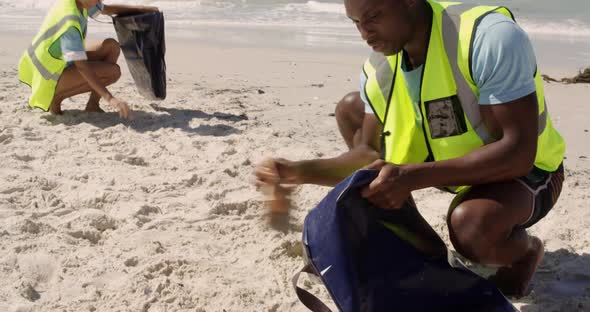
x=374, y=260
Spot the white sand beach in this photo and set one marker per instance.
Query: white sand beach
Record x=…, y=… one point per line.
x=160, y=214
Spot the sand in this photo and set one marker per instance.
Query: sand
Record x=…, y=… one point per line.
x=160, y=213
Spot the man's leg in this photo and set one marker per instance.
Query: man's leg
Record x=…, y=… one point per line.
x=484, y=226
x=106, y=51
x=72, y=83
x=350, y=112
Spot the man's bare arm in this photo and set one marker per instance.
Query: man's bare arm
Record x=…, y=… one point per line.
x=331, y=171
x=514, y=124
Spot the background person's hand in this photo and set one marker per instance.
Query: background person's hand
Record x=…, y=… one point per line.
x=121, y=106
x=149, y=9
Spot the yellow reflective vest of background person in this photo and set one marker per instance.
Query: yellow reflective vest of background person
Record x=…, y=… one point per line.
x=37, y=67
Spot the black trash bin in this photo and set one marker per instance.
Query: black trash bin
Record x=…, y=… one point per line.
x=142, y=41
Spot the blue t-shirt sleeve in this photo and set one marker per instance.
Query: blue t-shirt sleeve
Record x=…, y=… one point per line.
x=504, y=62
x=72, y=47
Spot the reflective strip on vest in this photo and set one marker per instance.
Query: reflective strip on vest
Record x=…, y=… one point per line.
x=40, y=68
x=383, y=69
x=45, y=73
x=469, y=101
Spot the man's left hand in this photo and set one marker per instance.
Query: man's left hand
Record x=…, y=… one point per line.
x=388, y=190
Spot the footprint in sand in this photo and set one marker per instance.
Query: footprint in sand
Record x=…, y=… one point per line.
x=29, y=135
x=194, y=180
x=89, y=235
x=131, y=262
x=147, y=210
x=142, y=215
x=291, y=249
x=30, y=227
x=46, y=185
x=231, y=172
x=100, y=201
x=131, y=160
x=165, y=268
x=90, y=225
x=35, y=269
x=11, y=190
x=136, y=161
x=103, y=223
x=200, y=145
x=52, y=201
x=28, y=292
x=46, y=200
x=25, y=158
x=229, y=152
x=6, y=138
x=235, y=208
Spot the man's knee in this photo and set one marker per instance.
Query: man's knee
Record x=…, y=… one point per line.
x=114, y=73
x=113, y=48
x=350, y=106
x=470, y=234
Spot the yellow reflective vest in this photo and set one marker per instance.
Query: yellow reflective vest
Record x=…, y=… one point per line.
x=448, y=123
x=37, y=67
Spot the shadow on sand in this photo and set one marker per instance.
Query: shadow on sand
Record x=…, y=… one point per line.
x=153, y=121
x=562, y=283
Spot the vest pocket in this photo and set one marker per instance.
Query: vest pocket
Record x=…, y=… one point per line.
x=445, y=117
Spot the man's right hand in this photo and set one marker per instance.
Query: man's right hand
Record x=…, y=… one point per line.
x=275, y=171
x=124, y=111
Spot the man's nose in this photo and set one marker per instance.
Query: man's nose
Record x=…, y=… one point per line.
x=365, y=32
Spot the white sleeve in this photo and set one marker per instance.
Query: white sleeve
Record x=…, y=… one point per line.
x=363, y=82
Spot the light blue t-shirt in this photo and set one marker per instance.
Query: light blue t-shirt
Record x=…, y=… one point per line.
x=503, y=64
x=69, y=46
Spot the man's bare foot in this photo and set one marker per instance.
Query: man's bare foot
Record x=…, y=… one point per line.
x=93, y=108
x=55, y=108
x=513, y=281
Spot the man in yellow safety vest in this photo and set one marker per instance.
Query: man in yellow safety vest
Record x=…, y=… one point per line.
x=452, y=99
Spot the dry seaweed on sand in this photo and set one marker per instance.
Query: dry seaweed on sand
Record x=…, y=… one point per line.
x=582, y=77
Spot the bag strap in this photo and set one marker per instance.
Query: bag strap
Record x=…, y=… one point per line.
x=310, y=301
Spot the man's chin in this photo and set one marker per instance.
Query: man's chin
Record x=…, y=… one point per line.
x=385, y=50
x=389, y=51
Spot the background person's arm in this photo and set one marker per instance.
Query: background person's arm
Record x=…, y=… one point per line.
x=96, y=85
x=119, y=9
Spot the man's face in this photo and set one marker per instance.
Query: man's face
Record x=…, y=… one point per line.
x=385, y=25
